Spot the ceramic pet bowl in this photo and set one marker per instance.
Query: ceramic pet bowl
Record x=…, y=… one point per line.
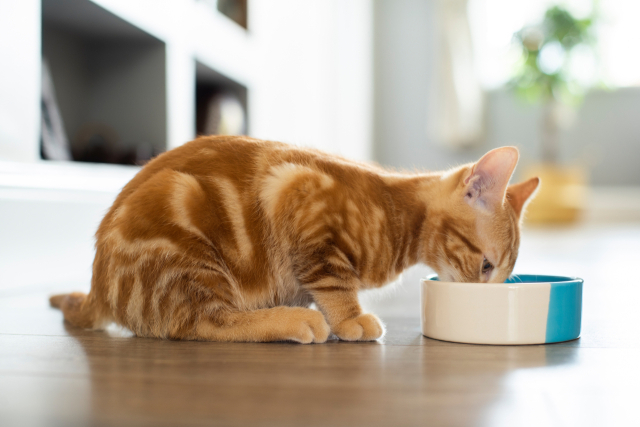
x=526, y=309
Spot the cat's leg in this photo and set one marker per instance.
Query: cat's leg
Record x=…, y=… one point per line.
x=201, y=305
x=338, y=301
x=171, y=297
x=281, y=323
x=327, y=274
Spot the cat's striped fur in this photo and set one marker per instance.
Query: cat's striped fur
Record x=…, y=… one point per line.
x=231, y=239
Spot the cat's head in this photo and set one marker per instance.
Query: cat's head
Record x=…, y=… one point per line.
x=477, y=219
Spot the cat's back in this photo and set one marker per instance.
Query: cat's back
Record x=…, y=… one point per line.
x=247, y=161
x=207, y=156
x=251, y=171
x=231, y=157
x=241, y=158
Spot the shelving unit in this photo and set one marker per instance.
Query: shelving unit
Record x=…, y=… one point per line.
x=301, y=71
x=110, y=82
x=126, y=73
x=209, y=84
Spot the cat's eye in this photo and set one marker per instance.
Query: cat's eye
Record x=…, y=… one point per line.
x=486, y=266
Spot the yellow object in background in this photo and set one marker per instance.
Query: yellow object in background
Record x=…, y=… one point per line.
x=562, y=196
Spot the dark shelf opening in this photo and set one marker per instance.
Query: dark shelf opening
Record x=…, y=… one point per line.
x=110, y=83
x=236, y=10
x=221, y=104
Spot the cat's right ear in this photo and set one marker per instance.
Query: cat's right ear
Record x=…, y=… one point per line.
x=519, y=195
x=486, y=185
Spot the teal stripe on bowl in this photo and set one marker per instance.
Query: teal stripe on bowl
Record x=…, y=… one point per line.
x=565, y=311
x=538, y=278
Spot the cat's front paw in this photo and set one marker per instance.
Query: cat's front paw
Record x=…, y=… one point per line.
x=365, y=327
x=307, y=326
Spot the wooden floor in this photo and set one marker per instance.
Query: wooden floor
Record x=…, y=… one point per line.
x=52, y=374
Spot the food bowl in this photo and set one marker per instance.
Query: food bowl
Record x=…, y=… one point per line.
x=526, y=309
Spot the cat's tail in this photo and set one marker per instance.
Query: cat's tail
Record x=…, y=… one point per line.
x=77, y=309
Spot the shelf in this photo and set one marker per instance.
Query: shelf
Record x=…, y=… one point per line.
x=214, y=93
x=110, y=82
x=236, y=10
x=65, y=176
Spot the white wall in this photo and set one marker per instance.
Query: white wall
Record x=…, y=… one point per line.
x=404, y=65
x=314, y=80
x=19, y=79
x=605, y=135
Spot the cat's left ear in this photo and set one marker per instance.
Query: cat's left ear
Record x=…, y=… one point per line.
x=487, y=183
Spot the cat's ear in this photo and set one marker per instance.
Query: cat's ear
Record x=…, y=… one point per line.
x=519, y=195
x=487, y=183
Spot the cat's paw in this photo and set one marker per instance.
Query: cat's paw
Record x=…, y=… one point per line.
x=365, y=327
x=309, y=326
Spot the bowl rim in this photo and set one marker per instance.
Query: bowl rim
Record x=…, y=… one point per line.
x=544, y=278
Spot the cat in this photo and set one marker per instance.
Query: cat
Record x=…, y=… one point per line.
x=232, y=238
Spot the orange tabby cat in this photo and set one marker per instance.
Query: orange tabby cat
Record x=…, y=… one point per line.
x=232, y=238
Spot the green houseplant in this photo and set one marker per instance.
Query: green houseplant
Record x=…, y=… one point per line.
x=551, y=73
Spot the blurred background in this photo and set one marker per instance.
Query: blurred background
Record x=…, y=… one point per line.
x=92, y=89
